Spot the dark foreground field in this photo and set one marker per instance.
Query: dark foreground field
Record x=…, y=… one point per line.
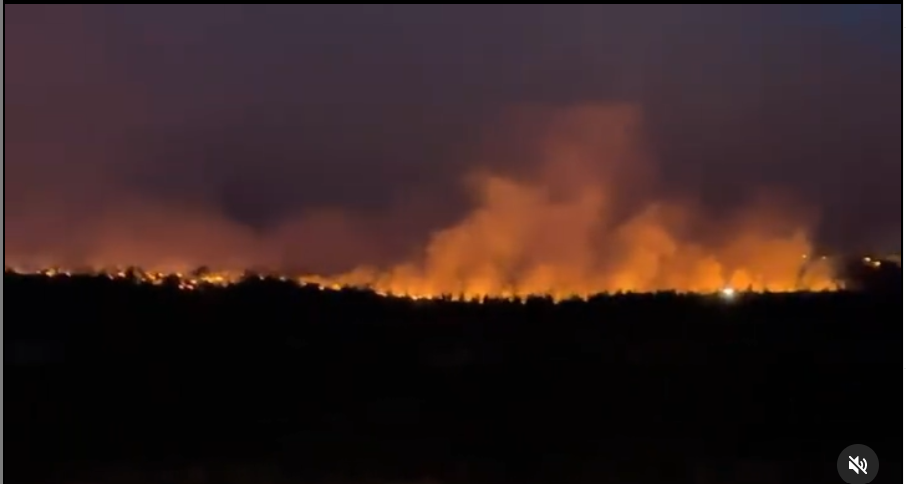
x=264, y=382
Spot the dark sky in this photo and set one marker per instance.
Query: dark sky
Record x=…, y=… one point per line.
x=260, y=113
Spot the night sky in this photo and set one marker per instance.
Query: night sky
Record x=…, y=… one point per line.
x=348, y=133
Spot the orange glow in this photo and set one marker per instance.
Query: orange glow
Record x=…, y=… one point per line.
x=478, y=294
x=584, y=219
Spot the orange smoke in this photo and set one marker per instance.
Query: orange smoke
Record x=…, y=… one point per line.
x=583, y=220
x=584, y=224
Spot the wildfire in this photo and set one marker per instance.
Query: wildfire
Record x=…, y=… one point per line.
x=199, y=280
x=585, y=214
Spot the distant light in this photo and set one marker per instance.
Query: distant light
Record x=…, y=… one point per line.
x=728, y=292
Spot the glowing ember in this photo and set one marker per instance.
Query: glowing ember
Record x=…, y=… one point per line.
x=210, y=279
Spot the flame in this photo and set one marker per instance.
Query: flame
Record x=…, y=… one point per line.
x=223, y=279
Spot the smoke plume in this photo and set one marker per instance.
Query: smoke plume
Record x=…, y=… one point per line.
x=566, y=150
x=584, y=219
x=585, y=222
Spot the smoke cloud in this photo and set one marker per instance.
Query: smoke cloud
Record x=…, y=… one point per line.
x=582, y=220
x=555, y=149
